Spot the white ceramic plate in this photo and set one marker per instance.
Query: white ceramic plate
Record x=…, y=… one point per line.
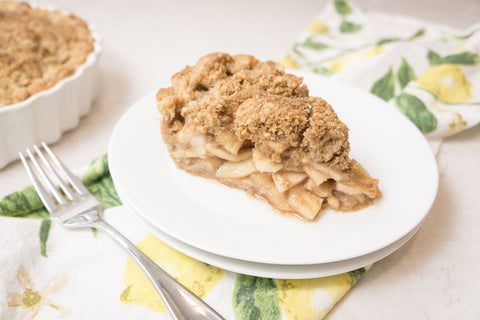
x=266, y=270
x=227, y=222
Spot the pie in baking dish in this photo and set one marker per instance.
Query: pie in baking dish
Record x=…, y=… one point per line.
x=38, y=48
x=250, y=125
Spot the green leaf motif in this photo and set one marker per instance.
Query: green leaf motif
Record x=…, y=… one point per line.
x=314, y=45
x=97, y=169
x=43, y=235
x=349, y=27
x=433, y=57
x=417, y=112
x=297, y=52
x=417, y=34
x=342, y=7
x=256, y=299
x=464, y=37
x=467, y=35
x=385, y=86
x=387, y=40
x=105, y=192
x=98, y=180
x=323, y=71
x=405, y=74
x=24, y=203
x=462, y=58
x=356, y=274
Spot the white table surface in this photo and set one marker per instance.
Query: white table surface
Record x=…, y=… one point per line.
x=434, y=276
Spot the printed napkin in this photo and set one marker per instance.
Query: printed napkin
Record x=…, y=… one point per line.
x=428, y=72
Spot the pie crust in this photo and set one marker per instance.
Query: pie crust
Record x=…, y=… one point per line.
x=250, y=125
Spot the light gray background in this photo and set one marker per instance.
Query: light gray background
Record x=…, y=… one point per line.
x=434, y=276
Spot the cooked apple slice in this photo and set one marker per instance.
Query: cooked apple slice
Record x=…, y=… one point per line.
x=358, y=170
x=304, y=202
x=333, y=202
x=324, y=190
x=270, y=192
x=229, y=141
x=188, y=136
x=326, y=171
x=285, y=180
x=263, y=164
x=317, y=176
x=224, y=154
x=237, y=169
x=366, y=186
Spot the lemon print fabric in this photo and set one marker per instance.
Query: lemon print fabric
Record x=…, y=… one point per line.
x=197, y=276
x=256, y=298
x=289, y=63
x=252, y=298
x=372, y=52
x=428, y=72
x=311, y=299
x=415, y=109
x=445, y=78
x=447, y=82
x=305, y=299
x=32, y=301
x=317, y=27
x=340, y=64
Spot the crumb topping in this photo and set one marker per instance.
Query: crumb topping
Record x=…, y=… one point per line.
x=38, y=48
x=259, y=103
x=272, y=118
x=326, y=138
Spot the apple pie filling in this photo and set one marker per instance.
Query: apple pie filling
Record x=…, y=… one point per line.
x=250, y=125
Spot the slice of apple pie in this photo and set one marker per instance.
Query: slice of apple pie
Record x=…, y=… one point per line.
x=250, y=125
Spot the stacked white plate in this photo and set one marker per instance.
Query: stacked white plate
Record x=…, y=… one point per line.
x=227, y=228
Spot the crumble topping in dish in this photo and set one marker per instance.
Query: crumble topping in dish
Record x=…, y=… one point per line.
x=250, y=125
x=38, y=48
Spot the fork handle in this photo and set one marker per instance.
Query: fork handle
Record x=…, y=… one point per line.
x=180, y=302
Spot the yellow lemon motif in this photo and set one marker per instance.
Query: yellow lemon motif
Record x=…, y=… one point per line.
x=195, y=275
x=372, y=52
x=317, y=27
x=459, y=47
x=340, y=64
x=311, y=299
x=447, y=82
x=457, y=124
x=288, y=62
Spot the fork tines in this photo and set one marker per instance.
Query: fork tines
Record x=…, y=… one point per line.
x=51, y=178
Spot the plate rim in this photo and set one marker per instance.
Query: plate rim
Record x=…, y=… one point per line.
x=292, y=272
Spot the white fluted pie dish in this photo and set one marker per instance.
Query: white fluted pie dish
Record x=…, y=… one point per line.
x=46, y=115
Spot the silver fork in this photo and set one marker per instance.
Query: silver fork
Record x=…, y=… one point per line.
x=73, y=206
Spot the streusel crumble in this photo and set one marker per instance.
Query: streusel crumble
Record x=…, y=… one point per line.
x=38, y=48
